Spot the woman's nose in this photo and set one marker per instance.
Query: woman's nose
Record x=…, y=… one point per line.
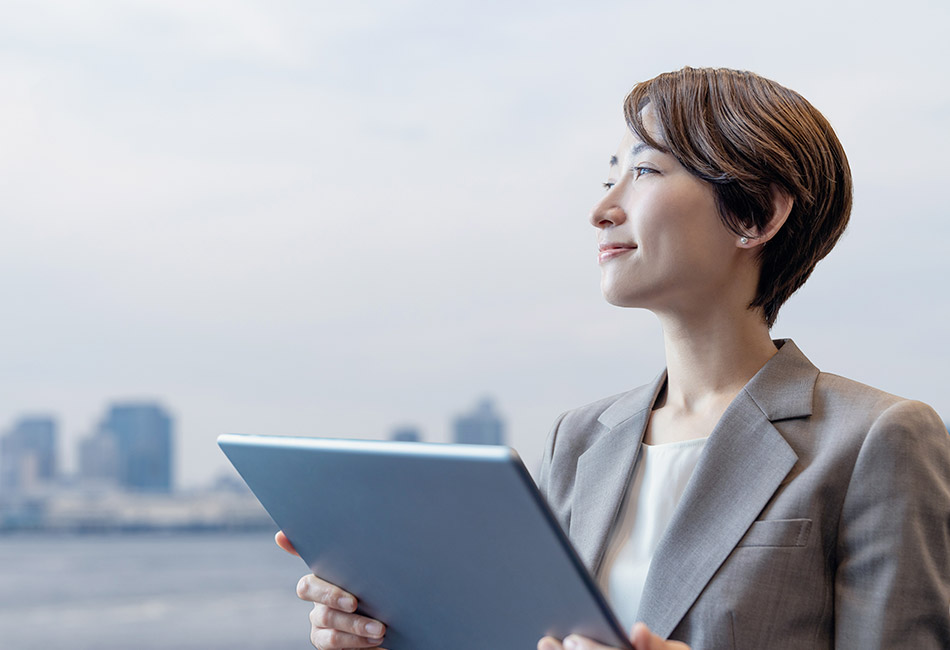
x=607, y=212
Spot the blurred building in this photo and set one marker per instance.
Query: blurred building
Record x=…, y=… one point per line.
x=28, y=455
x=229, y=481
x=134, y=443
x=483, y=426
x=99, y=459
x=406, y=434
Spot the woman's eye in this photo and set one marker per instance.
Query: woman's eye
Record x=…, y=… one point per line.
x=640, y=171
x=608, y=185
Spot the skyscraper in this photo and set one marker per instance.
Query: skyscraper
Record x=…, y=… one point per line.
x=406, y=434
x=28, y=454
x=99, y=459
x=143, y=446
x=483, y=426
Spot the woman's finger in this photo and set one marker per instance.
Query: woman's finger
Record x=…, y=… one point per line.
x=572, y=642
x=326, y=639
x=577, y=642
x=643, y=639
x=549, y=643
x=323, y=616
x=284, y=543
x=313, y=589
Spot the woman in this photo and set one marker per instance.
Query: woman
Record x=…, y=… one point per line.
x=743, y=499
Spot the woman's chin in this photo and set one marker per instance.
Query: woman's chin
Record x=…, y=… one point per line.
x=620, y=299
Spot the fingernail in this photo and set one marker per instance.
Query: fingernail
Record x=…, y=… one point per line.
x=571, y=643
x=347, y=603
x=374, y=629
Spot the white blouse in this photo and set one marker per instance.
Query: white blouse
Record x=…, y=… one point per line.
x=655, y=490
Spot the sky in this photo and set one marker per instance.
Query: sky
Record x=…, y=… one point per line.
x=336, y=218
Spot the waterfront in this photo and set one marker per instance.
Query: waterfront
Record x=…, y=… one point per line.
x=149, y=591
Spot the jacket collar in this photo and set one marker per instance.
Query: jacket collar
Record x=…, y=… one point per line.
x=604, y=470
x=783, y=388
x=744, y=462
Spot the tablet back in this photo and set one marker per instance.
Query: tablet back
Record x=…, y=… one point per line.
x=452, y=546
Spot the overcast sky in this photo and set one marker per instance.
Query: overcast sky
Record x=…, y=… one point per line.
x=333, y=218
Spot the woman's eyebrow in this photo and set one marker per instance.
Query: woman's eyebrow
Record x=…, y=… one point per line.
x=639, y=148
x=635, y=150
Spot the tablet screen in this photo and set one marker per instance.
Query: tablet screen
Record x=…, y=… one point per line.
x=452, y=546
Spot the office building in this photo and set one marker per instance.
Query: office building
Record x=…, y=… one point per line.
x=483, y=426
x=28, y=455
x=406, y=434
x=142, y=438
x=99, y=459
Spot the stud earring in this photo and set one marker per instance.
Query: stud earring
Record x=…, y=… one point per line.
x=743, y=240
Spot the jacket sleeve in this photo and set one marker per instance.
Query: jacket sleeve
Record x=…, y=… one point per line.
x=892, y=584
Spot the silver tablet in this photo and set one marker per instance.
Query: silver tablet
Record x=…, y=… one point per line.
x=451, y=546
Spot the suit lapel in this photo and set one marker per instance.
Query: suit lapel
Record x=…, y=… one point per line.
x=604, y=470
x=744, y=463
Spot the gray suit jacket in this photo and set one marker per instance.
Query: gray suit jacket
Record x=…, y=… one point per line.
x=818, y=516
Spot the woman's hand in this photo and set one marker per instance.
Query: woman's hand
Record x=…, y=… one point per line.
x=640, y=637
x=333, y=624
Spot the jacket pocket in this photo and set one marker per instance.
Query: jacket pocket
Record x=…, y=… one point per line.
x=777, y=532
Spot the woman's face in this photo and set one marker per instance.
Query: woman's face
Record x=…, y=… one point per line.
x=661, y=243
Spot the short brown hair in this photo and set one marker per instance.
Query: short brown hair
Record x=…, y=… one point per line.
x=744, y=135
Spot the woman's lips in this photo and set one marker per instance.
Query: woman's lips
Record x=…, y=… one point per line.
x=610, y=251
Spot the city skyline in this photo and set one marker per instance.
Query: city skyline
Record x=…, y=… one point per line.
x=131, y=449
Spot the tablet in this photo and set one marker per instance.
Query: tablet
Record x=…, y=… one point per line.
x=451, y=546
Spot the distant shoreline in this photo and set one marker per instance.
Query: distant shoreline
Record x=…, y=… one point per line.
x=77, y=512
x=131, y=530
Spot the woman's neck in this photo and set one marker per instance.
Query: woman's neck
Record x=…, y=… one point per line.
x=710, y=359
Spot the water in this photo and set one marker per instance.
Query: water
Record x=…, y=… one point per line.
x=203, y=591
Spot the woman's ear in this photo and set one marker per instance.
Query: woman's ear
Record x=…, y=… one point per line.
x=782, y=203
